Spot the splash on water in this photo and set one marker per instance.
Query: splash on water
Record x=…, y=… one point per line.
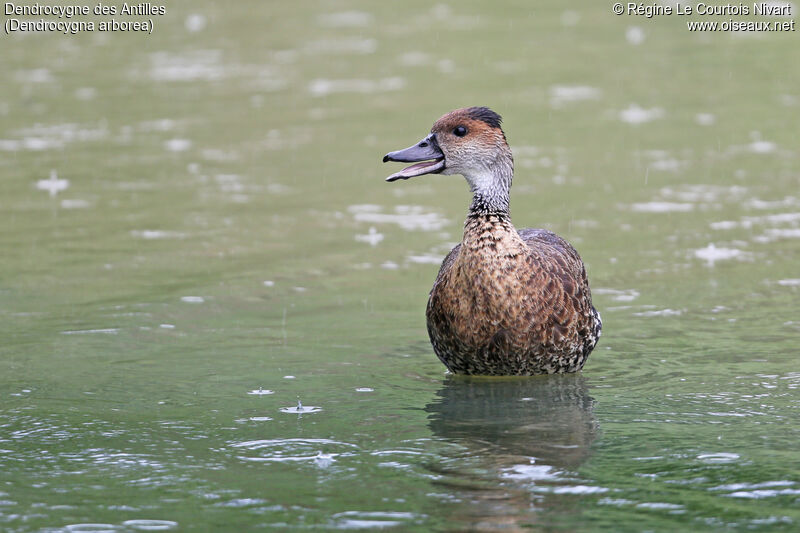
x=150, y=525
x=372, y=520
x=74, y=204
x=660, y=312
x=191, y=66
x=372, y=238
x=195, y=22
x=531, y=472
x=345, y=19
x=300, y=409
x=719, y=458
x=408, y=217
x=618, y=295
x=108, y=331
x=711, y=254
x=342, y=46
x=53, y=185
x=324, y=86
x=150, y=234
x=634, y=35
x=634, y=114
x=561, y=95
x=705, y=119
x=260, y=392
x=177, y=145
x=425, y=259
x=662, y=207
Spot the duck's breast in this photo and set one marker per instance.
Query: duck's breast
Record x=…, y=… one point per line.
x=530, y=287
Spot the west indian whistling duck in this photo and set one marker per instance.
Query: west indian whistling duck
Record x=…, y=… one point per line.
x=505, y=302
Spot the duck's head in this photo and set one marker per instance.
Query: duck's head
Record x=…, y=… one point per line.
x=466, y=141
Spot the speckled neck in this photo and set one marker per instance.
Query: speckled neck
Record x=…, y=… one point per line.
x=490, y=188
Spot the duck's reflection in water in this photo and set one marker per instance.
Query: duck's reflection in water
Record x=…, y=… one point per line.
x=517, y=438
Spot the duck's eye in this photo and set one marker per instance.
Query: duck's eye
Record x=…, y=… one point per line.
x=460, y=131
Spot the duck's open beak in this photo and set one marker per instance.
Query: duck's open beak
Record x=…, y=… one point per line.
x=427, y=152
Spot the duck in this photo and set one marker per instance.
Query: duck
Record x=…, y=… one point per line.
x=505, y=301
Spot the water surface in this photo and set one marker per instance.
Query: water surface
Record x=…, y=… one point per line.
x=213, y=306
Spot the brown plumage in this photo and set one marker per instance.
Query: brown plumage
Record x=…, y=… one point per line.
x=504, y=302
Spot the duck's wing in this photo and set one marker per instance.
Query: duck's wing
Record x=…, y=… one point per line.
x=570, y=271
x=533, y=237
x=447, y=263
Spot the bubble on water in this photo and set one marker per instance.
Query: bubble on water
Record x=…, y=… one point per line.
x=167, y=326
x=192, y=299
x=269, y=283
x=792, y=282
x=365, y=389
x=260, y=418
x=289, y=377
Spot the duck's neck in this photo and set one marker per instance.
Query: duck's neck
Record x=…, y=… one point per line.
x=490, y=187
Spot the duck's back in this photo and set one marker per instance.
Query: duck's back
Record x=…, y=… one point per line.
x=512, y=303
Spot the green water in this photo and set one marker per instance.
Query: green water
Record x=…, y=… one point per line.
x=224, y=229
